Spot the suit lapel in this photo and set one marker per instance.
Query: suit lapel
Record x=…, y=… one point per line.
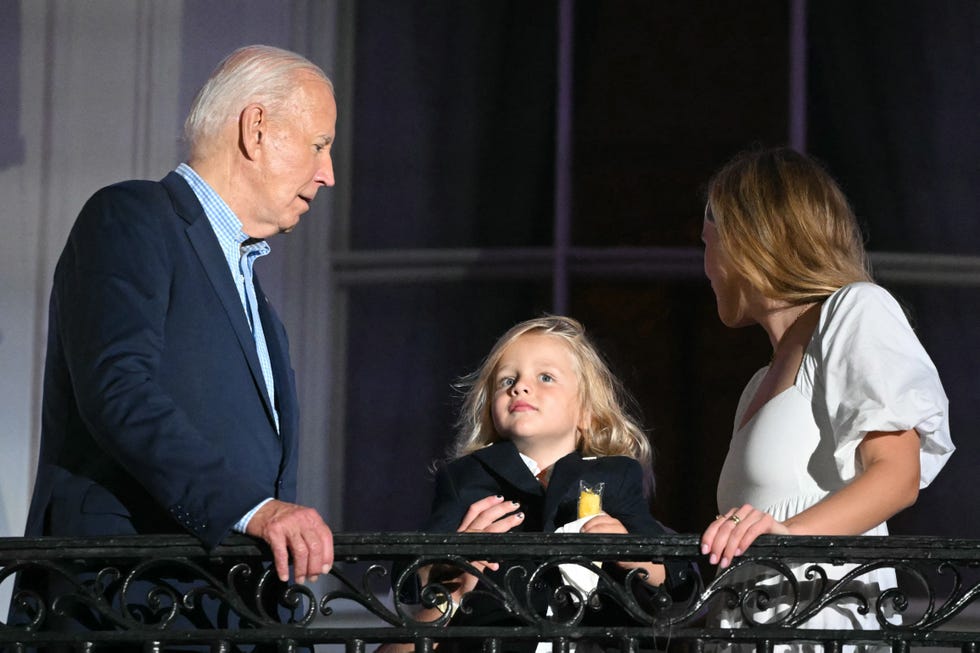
x=567, y=472
x=503, y=459
x=279, y=357
x=205, y=245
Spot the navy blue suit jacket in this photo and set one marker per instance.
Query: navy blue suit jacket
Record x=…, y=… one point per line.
x=155, y=414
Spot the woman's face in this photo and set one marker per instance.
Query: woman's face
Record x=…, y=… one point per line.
x=731, y=288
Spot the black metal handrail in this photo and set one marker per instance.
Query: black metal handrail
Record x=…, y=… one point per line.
x=140, y=591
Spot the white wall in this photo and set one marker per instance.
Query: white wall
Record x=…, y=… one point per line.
x=100, y=89
x=97, y=102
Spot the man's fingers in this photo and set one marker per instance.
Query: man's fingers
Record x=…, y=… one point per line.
x=327, y=536
x=298, y=532
x=319, y=543
x=280, y=554
x=300, y=555
x=314, y=557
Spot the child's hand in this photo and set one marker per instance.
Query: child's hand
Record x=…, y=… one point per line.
x=603, y=523
x=491, y=515
x=488, y=515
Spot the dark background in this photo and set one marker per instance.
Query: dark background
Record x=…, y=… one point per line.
x=454, y=135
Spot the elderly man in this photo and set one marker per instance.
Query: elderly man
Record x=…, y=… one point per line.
x=169, y=401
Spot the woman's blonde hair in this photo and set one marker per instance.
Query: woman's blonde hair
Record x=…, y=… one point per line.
x=612, y=430
x=786, y=225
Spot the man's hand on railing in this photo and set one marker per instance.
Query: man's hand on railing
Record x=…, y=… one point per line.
x=297, y=532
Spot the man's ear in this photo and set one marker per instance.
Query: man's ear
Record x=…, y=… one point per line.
x=251, y=128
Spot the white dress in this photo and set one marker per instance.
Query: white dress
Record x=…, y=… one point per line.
x=864, y=370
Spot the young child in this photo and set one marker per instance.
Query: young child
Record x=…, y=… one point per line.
x=542, y=418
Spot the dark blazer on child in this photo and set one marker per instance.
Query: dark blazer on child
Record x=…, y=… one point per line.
x=499, y=470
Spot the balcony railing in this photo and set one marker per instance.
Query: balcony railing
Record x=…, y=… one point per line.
x=125, y=592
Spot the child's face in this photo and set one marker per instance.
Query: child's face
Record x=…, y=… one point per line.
x=536, y=401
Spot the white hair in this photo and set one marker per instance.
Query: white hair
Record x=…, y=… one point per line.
x=254, y=73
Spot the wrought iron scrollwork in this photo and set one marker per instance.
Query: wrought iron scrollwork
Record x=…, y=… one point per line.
x=150, y=588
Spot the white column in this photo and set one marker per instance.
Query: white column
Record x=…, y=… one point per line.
x=96, y=95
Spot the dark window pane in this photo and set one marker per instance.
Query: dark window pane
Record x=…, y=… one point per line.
x=665, y=93
x=686, y=370
x=407, y=345
x=453, y=124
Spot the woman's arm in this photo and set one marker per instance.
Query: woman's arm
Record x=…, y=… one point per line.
x=888, y=483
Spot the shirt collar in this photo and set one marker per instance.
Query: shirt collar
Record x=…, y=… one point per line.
x=226, y=225
x=531, y=465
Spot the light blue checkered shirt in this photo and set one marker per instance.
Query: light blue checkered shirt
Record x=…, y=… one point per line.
x=240, y=252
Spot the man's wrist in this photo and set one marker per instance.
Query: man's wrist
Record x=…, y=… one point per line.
x=242, y=524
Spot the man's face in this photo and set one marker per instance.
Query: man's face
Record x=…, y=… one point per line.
x=294, y=160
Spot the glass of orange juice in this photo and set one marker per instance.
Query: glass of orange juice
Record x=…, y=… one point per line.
x=589, y=499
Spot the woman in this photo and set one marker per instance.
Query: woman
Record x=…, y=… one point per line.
x=849, y=419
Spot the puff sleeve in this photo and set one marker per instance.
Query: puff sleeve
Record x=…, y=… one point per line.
x=872, y=374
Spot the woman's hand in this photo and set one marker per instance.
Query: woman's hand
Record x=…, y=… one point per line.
x=729, y=535
x=888, y=483
x=603, y=523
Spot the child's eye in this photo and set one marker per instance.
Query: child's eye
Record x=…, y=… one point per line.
x=547, y=378
x=505, y=382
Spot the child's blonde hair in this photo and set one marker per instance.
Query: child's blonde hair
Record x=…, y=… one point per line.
x=612, y=431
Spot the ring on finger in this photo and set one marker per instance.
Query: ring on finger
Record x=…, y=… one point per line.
x=735, y=518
